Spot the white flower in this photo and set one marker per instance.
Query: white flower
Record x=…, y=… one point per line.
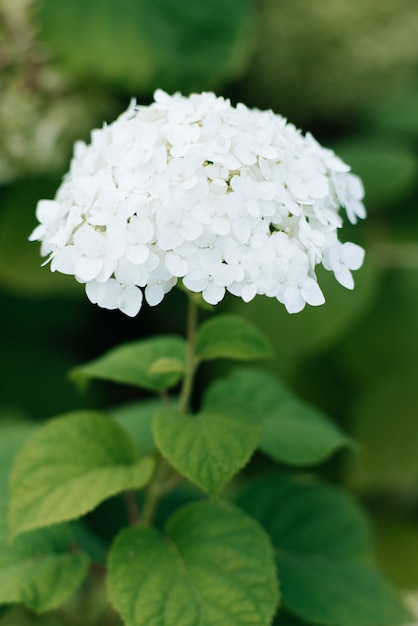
x=191, y=188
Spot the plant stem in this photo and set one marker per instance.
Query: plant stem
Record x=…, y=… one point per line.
x=164, y=472
x=156, y=490
x=191, y=361
x=131, y=507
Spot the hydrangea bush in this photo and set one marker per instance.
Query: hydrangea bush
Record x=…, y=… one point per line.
x=223, y=199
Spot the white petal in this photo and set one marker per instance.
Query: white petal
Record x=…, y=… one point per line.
x=352, y=255
x=312, y=293
x=108, y=267
x=89, y=241
x=93, y=291
x=176, y=265
x=130, y=300
x=169, y=237
x=104, y=294
x=137, y=254
x=318, y=187
x=293, y=300
x=127, y=273
x=345, y=277
x=249, y=292
x=47, y=212
x=213, y=293
x=65, y=260
x=195, y=284
x=38, y=233
x=86, y=269
x=154, y=294
x=190, y=229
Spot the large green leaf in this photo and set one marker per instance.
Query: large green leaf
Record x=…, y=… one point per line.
x=40, y=569
x=322, y=543
x=12, y=437
x=69, y=466
x=210, y=447
x=139, y=364
x=230, y=336
x=214, y=565
x=153, y=43
x=292, y=431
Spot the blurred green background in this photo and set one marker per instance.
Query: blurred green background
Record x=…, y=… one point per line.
x=346, y=70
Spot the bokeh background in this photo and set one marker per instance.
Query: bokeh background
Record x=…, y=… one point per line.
x=346, y=70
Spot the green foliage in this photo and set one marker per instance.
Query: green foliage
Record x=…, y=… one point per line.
x=40, y=569
x=322, y=544
x=139, y=364
x=12, y=437
x=292, y=431
x=229, y=336
x=210, y=447
x=188, y=45
x=69, y=466
x=214, y=565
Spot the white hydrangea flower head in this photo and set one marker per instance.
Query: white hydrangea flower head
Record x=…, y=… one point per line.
x=223, y=198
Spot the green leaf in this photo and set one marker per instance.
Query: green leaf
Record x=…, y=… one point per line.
x=213, y=566
x=133, y=363
x=40, y=569
x=153, y=43
x=69, y=466
x=12, y=436
x=230, y=336
x=167, y=365
x=322, y=543
x=292, y=431
x=135, y=418
x=210, y=447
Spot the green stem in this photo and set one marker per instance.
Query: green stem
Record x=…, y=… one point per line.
x=191, y=360
x=156, y=489
x=131, y=507
x=164, y=472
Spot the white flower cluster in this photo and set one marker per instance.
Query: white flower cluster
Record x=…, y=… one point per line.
x=224, y=198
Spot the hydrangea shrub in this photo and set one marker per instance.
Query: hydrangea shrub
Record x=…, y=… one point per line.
x=222, y=199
